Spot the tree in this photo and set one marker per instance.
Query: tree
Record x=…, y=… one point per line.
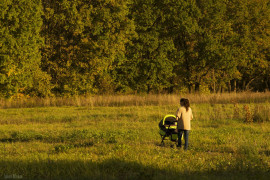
x=251, y=22
x=83, y=39
x=20, y=72
x=148, y=67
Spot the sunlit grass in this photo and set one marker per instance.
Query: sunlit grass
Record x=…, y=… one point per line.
x=123, y=142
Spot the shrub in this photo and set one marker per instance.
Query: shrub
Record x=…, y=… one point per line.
x=258, y=118
x=261, y=113
x=248, y=114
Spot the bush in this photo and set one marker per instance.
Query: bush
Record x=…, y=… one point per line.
x=261, y=114
x=258, y=118
x=248, y=114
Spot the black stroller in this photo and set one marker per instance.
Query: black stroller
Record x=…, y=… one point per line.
x=168, y=128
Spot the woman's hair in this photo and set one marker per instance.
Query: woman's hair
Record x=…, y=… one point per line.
x=185, y=103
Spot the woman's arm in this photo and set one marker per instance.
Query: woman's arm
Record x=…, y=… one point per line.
x=178, y=114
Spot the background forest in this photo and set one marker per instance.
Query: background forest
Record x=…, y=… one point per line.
x=79, y=47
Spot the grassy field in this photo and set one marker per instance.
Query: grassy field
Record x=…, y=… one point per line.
x=85, y=142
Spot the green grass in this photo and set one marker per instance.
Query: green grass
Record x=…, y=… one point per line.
x=123, y=143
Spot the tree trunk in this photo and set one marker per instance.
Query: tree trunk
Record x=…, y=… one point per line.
x=234, y=85
x=214, y=88
x=266, y=83
x=197, y=87
x=229, y=87
x=148, y=89
x=189, y=88
x=247, y=85
x=171, y=88
x=219, y=88
x=244, y=85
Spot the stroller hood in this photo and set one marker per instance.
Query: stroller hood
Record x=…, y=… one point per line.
x=169, y=119
x=168, y=122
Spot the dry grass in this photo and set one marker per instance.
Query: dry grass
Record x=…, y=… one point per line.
x=136, y=100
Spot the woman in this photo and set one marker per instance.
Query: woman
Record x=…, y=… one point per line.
x=183, y=116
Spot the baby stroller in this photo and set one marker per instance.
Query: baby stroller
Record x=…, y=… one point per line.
x=168, y=128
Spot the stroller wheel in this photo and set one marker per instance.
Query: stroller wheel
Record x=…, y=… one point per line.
x=162, y=140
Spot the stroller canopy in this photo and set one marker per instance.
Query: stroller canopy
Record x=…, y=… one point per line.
x=168, y=122
x=169, y=119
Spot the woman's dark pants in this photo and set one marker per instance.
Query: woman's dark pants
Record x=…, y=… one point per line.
x=180, y=133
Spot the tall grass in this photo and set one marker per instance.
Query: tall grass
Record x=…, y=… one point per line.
x=136, y=100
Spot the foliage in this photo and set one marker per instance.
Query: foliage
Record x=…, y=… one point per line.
x=82, y=41
x=80, y=47
x=20, y=41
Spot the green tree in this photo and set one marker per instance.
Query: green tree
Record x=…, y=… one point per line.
x=202, y=38
x=20, y=73
x=83, y=40
x=148, y=67
x=251, y=24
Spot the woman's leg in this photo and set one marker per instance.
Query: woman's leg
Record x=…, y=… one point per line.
x=186, y=132
x=180, y=133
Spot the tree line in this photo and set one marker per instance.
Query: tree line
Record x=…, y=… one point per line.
x=78, y=47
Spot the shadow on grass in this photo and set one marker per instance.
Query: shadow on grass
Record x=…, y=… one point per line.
x=111, y=169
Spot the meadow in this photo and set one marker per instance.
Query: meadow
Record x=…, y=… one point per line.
x=117, y=139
